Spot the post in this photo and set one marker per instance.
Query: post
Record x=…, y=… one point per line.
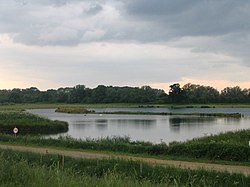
x=62, y=161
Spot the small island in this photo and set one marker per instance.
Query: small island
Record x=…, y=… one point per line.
x=74, y=110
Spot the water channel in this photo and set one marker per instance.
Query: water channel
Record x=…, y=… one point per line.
x=153, y=128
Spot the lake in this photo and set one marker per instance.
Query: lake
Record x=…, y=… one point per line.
x=153, y=128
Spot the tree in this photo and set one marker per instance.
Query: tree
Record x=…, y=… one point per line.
x=232, y=95
x=200, y=94
x=77, y=94
x=177, y=94
x=99, y=94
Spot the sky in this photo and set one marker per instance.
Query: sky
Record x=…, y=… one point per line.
x=60, y=43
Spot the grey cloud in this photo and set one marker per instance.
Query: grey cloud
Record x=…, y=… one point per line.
x=224, y=24
x=197, y=17
x=71, y=22
x=48, y=22
x=142, y=21
x=149, y=9
x=94, y=9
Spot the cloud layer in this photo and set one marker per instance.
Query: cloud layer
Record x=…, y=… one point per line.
x=123, y=42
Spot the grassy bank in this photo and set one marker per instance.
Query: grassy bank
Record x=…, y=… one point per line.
x=29, y=123
x=28, y=169
x=231, y=146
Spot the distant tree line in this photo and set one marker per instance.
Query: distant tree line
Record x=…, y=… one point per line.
x=188, y=94
x=192, y=93
x=81, y=94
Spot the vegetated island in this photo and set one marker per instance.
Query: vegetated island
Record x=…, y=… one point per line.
x=80, y=110
x=74, y=110
x=30, y=123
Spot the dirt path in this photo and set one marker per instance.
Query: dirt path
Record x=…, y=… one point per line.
x=84, y=154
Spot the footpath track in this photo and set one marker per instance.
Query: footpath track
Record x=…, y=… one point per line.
x=85, y=154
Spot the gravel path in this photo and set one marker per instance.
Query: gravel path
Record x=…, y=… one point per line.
x=85, y=154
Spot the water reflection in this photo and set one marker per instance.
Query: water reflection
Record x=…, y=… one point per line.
x=101, y=121
x=232, y=120
x=135, y=121
x=189, y=122
x=145, y=124
x=174, y=121
x=80, y=125
x=102, y=126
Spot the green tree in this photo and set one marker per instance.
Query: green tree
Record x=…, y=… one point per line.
x=232, y=95
x=200, y=94
x=177, y=94
x=99, y=94
x=76, y=94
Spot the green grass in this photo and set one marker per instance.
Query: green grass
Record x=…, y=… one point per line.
x=30, y=169
x=30, y=123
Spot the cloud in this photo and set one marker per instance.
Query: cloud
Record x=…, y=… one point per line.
x=111, y=64
x=62, y=22
x=188, y=18
x=55, y=22
x=124, y=41
x=142, y=21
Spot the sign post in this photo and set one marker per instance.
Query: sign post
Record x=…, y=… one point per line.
x=15, y=131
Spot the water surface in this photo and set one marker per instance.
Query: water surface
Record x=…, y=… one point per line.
x=153, y=128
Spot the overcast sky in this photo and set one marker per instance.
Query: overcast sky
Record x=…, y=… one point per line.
x=59, y=43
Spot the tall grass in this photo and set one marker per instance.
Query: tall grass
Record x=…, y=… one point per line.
x=20, y=168
x=21, y=173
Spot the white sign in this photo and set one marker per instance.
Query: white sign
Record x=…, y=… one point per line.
x=15, y=130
